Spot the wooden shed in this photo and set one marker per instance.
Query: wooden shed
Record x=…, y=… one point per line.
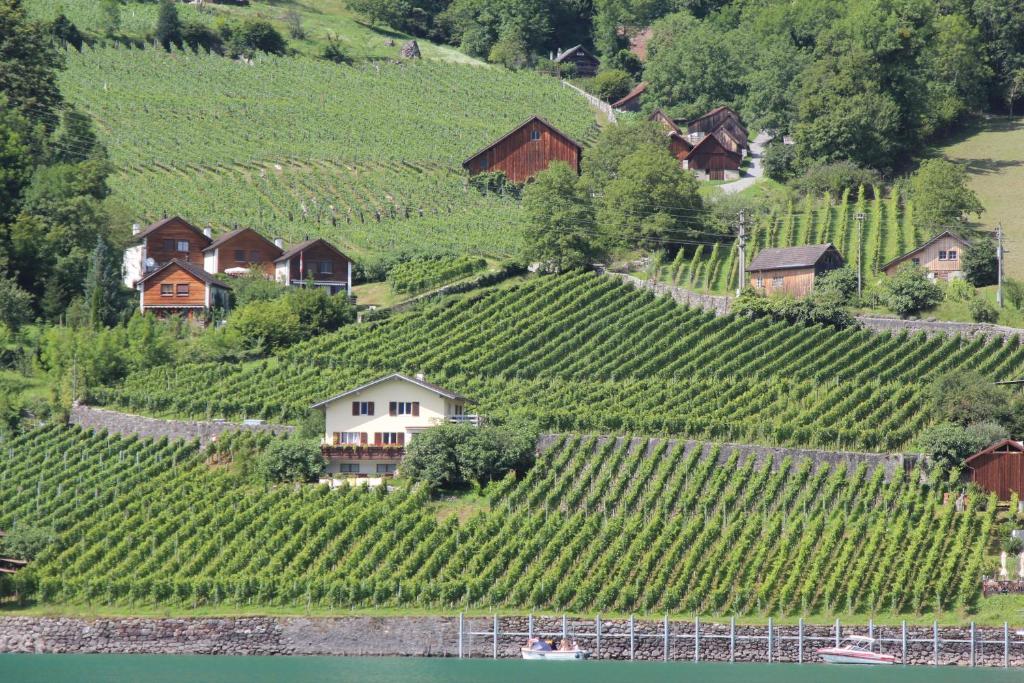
x=632, y=100
x=525, y=151
x=659, y=116
x=999, y=468
x=941, y=256
x=792, y=270
x=586, y=63
x=711, y=160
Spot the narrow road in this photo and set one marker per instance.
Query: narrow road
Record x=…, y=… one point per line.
x=756, y=169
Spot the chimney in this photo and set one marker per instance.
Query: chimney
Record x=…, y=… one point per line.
x=279, y=242
x=420, y=376
x=136, y=228
x=208, y=231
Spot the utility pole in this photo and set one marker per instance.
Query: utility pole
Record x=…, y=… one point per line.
x=741, y=242
x=860, y=237
x=999, y=265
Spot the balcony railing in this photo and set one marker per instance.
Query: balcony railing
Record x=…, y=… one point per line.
x=475, y=420
x=362, y=451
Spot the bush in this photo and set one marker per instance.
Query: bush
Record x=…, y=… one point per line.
x=982, y=311
x=1014, y=290
x=255, y=36
x=959, y=290
x=612, y=85
x=451, y=455
x=807, y=311
x=289, y=460
x=780, y=161
x=966, y=397
x=910, y=291
x=835, y=178
x=980, y=265
x=301, y=313
x=333, y=52
x=26, y=542
x=624, y=60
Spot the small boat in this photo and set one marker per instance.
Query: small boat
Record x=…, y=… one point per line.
x=538, y=648
x=855, y=650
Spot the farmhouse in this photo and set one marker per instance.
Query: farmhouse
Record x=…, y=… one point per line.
x=526, y=151
x=999, y=468
x=792, y=270
x=632, y=100
x=368, y=427
x=182, y=288
x=586, y=63
x=167, y=239
x=318, y=261
x=241, y=250
x=940, y=256
x=709, y=159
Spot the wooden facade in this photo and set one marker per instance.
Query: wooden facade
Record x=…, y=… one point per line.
x=180, y=288
x=679, y=146
x=633, y=100
x=729, y=140
x=526, y=151
x=792, y=270
x=318, y=261
x=941, y=256
x=173, y=238
x=999, y=468
x=586, y=64
x=659, y=116
x=711, y=160
x=242, y=248
x=709, y=122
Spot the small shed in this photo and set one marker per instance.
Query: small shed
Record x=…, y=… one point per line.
x=999, y=468
x=711, y=160
x=941, y=256
x=586, y=63
x=525, y=151
x=792, y=270
x=632, y=100
x=659, y=116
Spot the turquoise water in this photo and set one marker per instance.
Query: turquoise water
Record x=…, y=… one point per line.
x=176, y=669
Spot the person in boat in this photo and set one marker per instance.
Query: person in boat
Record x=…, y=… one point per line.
x=565, y=645
x=539, y=645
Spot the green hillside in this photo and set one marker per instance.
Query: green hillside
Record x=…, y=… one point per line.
x=592, y=526
x=585, y=352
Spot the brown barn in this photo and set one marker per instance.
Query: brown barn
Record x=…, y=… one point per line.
x=586, y=63
x=155, y=246
x=711, y=160
x=659, y=116
x=632, y=100
x=792, y=270
x=526, y=151
x=940, y=256
x=679, y=146
x=242, y=249
x=181, y=288
x=316, y=260
x=730, y=140
x=707, y=123
x=999, y=468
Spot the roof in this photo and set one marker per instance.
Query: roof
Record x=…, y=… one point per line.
x=998, y=445
x=397, y=375
x=302, y=246
x=234, y=233
x=509, y=134
x=637, y=91
x=194, y=270
x=161, y=223
x=660, y=116
x=704, y=141
x=715, y=111
x=945, y=233
x=805, y=256
x=573, y=50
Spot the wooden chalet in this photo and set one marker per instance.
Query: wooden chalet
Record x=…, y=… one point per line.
x=317, y=261
x=240, y=251
x=709, y=159
x=182, y=288
x=633, y=99
x=999, y=468
x=941, y=256
x=792, y=270
x=163, y=241
x=659, y=116
x=525, y=151
x=586, y=63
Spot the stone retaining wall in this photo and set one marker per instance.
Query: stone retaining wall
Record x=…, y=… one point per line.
x=127, y=424
x=719, y=305
x=439, y=637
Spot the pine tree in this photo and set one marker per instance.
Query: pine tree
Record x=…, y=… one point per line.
x=168, y=25
x=102, y=287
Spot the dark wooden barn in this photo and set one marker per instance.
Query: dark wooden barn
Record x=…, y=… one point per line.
x=711, y=160
x=659, y=116
x=632, y=100
x=707, y=123
x=999, y=468
x=526, y=151
x=586, y=63
x=679, y=146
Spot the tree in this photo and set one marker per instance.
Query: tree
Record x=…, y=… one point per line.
x=253, y=36
x=267, y=325
x=941, y=195
x=837, y=287
x=612, y=85
x=15, y=304
x=66, y=32
x=28, y=66
x=780, y=161
x=835, y=178
x=560, y=232
x=1014, y=88
x=949, y=444
x=510, y=50
x=982, y=311
x=451, y=455
x=432, y=457
x=289, y=460
x=910, y=291
x=966, y=397
x=624, y=60
x=27, y=542
x=981, y=267
x=602, y=160
x=111, y=13
x=19, y=147
x=102, y=287
x=168, y=25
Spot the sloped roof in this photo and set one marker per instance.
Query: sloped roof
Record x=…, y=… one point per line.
x=509, y=134
x=161, y=223
x=302, y=246
x=573, y=50
x=704, y=141
x=399, y=376
x=775, y=258
x=235, y=233
x=715, y=111
x=998, y=445
x=194, y=270
x=637, y=91
x=944, y=233
x=661, y=117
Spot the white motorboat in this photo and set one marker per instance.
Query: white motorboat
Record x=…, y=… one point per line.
x=539, y=649
x=855, y=650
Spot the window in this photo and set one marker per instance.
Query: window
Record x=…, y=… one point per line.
x=534, y=135
x=183, y=290
x=942, y=256
x=459, y=409
x=168, y=245
x=183, y=245
x=951, y=254
x=362, y=407
x=483, y=164
x=392, y=438
x=916, y=261
x=348, y=467
x=166, y=290
x=777, y=282
x=404, y=408
x=239, y=254
x=349, y=438
x=324, y=267
x=759, y=282
x=386, y=468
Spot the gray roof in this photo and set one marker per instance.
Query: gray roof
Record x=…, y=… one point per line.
x=161, y=223
x=397, y=375
x=806, y=256
x=191, y=268
x=571, y=51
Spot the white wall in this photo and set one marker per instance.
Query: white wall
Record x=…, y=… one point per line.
x=132, y=264
x=210, y=261
x=281, y=271
x=434, y=408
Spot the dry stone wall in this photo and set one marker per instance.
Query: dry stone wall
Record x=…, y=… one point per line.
x=126, y=423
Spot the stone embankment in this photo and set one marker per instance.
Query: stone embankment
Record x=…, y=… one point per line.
x=439, y=637
x=151, y=427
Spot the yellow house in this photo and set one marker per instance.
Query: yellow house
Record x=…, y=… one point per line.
x=368, y=427
x=940, y=256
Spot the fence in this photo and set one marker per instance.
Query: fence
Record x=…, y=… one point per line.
x=694, y=641
x=595, y=102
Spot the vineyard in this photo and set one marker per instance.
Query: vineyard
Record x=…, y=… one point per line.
x=888, y=232
x=582, y=352
x=420, y=274
x=597, y=524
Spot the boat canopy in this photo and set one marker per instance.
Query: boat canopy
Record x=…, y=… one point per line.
x=541, y=645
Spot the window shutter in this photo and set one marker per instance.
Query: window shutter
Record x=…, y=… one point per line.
x=355, y=407
x=401, y=438
x=362, y=438
x=376, y=439
x=415, y=408
x=392, y=409
x=369, y=410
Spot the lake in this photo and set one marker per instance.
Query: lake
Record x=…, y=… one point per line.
x=207, y=669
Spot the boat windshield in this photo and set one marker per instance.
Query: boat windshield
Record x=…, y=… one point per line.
x=541, y=645
x=859, y=643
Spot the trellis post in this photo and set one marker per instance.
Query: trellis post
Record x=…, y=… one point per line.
x=494, y=644
x=529, y=626
x=973, y=643
x=903, y=638
x=770, y=643
x=565, y=631
x=666, y=637
x=871, y=628
x=800, y=641
x=696, y=639
x=935, y=642
x=631, y=648
x=598, y=620
x=1006, y=645
x=461, y=630
x=732, y=639
x=838, y=631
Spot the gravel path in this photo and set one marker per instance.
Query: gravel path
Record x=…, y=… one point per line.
x=756, y=169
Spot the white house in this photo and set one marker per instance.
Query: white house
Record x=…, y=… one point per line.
x=368, y=427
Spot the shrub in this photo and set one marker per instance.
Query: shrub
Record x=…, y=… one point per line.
x=959, y=290
x=256, y=36
x=982, y=311
x=910, y=291
x=1014, y=290
x=289, y=460
x=807, y=311
x=980, y=265
x=612, y=85
x=835, y=178
x=452, y=455
x=332, y=52
x=780, y=161
x=26, y=542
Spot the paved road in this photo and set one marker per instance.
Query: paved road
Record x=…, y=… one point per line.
x=756, y=169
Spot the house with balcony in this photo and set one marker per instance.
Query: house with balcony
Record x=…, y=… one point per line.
x=368, y=427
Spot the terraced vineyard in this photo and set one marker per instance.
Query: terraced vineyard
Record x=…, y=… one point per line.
x=888, y=231
x=614, y=524
x=585, y=352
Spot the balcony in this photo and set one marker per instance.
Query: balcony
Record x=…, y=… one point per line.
x=362, y=452
x=475, y=420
